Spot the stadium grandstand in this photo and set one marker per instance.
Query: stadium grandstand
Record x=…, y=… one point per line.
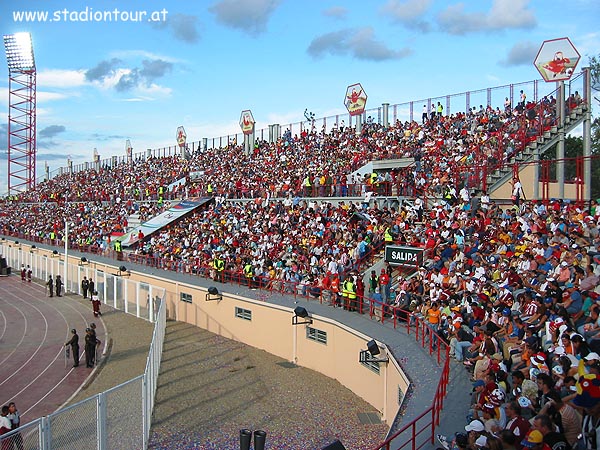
x=501, y=278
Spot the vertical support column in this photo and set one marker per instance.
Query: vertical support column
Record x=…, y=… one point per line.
x=101, y=429
x=115, y=292
x=66, y=274
x=125, y=297
x=560, y=147
x=150, y=304
x=386, y=112
x=467, y=102
x=489, y=97
x=411, y=111
x=511, y=96
x=105, y=287
x=44, y=441
x=536, y=174
x=587, y=134
x=358, y=123
x=137, y=299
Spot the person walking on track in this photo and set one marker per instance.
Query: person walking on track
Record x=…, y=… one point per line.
x=96, y=304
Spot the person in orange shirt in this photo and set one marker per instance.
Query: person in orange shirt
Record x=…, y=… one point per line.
x=433, y=322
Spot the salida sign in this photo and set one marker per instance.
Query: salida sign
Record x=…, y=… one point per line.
x=403, y=256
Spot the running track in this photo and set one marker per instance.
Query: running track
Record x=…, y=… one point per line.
x=33, y=331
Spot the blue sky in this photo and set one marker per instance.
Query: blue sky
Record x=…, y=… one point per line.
x=100, y=83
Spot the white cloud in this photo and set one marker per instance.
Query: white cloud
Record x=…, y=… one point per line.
x=408, y=12
x=250, y=16
x=522, y=53
x=360, y=43
x=504, y=14
x=142, y=54
x=61, y=78
x=337, y=12
x=43, y=96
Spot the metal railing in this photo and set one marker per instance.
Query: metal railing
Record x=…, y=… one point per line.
x=120, y=417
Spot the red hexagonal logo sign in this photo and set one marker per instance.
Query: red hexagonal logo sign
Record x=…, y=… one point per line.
x=247, y=122
x=557, y=59
x=356, y=99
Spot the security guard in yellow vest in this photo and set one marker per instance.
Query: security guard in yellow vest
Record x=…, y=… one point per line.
x=52, y=235
x=118, y=247
x=352, y=305
x=346, y=289
x=249, y=273
x=209, y=189
x=387, y=236
x=219, y=266
x=307, y=186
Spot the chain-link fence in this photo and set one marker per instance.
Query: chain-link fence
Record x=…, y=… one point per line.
x=119, y=418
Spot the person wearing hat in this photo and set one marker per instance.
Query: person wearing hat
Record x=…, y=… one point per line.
x=588, y=398
x=475, y=429
x=74, y=343
x=534, y=440
x=488, y=417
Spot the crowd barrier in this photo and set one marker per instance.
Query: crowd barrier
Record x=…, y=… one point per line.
x=119, y=418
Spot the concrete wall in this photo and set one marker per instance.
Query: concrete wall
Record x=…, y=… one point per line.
x=270, y=327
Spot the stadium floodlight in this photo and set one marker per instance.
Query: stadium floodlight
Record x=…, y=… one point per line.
x=19, y=52
x=22, y=147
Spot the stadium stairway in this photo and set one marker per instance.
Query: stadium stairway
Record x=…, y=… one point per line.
x=503, y=175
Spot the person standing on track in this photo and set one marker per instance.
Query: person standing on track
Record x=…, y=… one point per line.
x=85, y=285
x=91, y=287
x=59, y=285
x=5, y=425
x=90, y=348
x=50, y=285
x=23, y=273
x=29, y=274
x=15, y=421
x=74, y=343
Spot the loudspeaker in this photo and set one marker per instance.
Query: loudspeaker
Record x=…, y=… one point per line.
x=335, y=445
x=3, y=263
x=373, y=348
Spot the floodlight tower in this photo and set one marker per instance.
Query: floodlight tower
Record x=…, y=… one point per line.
x=21, y=112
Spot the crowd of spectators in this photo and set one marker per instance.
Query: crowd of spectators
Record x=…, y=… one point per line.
x=512, y=290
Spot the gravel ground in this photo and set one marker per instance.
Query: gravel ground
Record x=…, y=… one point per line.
x=211, y=387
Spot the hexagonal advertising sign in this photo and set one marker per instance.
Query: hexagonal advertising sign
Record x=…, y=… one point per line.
x=181, y=136
x=557, y=59
x=356, y=99
x=247, y=122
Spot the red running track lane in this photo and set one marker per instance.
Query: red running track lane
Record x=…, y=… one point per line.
x=33, y=331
